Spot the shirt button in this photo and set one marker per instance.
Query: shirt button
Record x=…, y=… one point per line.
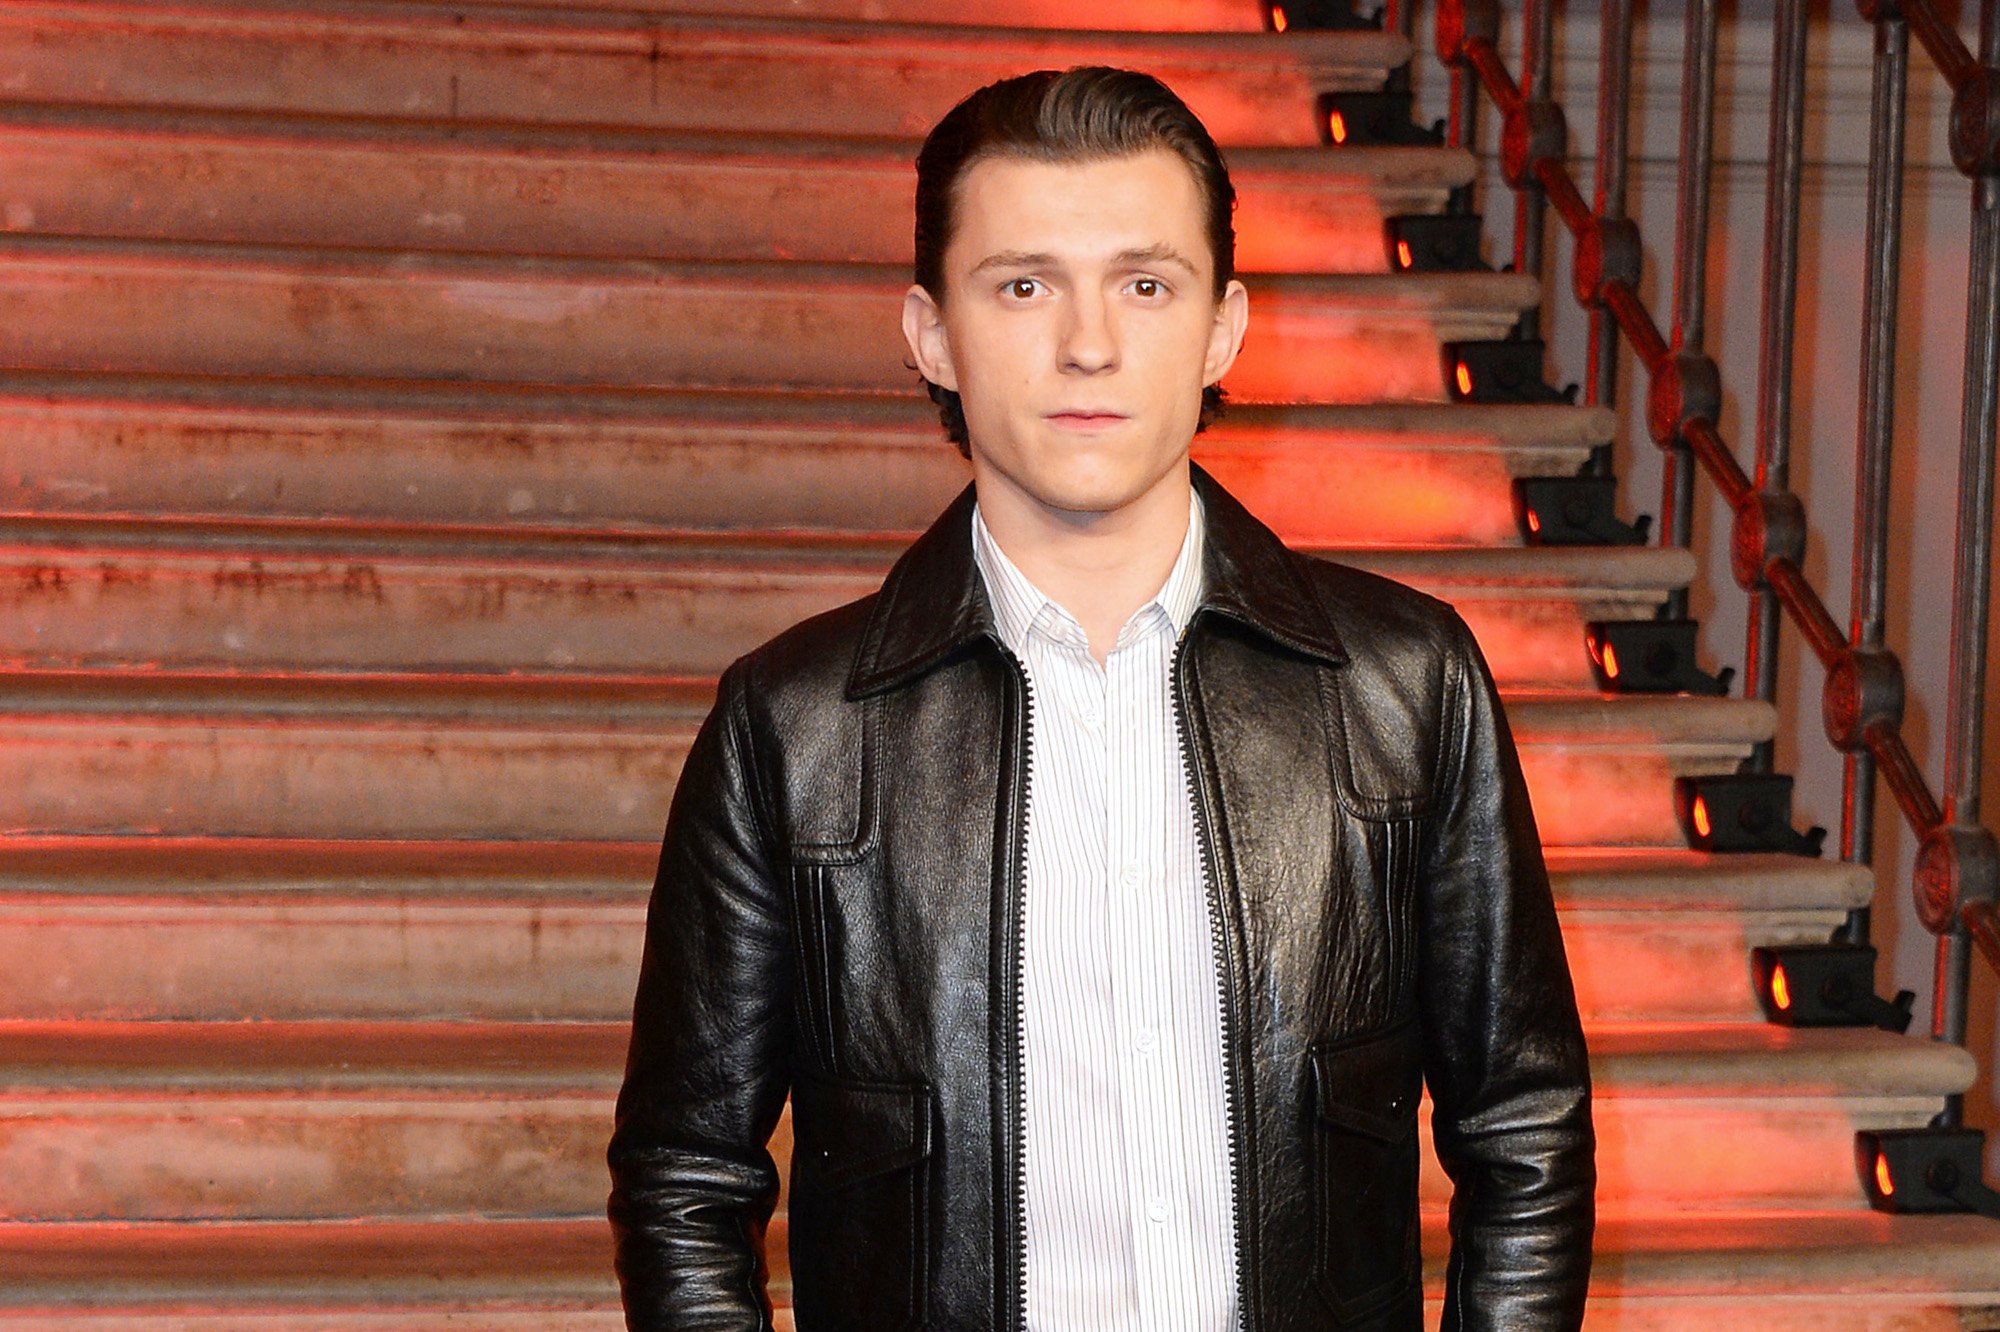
x=1147, y=1040
x=1130, y=876
x=1158, y=1211
x=1089, y=718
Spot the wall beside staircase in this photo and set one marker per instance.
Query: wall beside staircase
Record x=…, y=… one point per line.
x=1931, y=338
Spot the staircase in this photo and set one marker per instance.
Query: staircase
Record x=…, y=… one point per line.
x=406, y=408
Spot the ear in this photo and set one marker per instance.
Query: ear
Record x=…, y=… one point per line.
x=923, y=329
x=1225, y=335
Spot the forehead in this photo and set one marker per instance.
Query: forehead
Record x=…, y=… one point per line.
x=1078, y=209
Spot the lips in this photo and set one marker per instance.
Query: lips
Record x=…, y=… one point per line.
x=1086, y=416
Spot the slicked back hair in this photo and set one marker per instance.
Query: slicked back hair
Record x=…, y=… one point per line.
x=1086, y=114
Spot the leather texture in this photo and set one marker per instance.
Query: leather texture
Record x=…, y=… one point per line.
x=837, y=916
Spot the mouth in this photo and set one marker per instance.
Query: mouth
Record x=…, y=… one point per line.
x=1085, y=418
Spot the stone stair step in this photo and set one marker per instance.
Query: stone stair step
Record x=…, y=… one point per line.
x=250, y=756
x=426, y=62
x=1667, y=935
x=272, y=1120
x=1790, y=1271
x=1111, y=15
x=593, y=194
x=105, y=595
x=220, y=929
x=160, y=307
x=686, y=461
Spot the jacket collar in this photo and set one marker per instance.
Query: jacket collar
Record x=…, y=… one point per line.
x=933, y=602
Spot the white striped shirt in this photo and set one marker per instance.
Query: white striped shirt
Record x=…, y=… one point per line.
x=1127, y=1153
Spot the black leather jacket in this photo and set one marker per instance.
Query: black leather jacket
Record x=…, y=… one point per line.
x=838, y=915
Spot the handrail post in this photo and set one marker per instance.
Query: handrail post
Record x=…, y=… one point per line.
x=1875, y=434
x=1530, y=203
x=1784, y=172
x=1614, y=95
x=1971, y=575
x=1462, y=124
x=1697, y=156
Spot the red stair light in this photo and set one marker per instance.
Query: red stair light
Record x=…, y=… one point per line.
x=1781, y=989
x=1336, y=125
x=1464, y=377
x=1404, y=259
x=1701, y=823
x=1278, y=20
x=1885, y=1182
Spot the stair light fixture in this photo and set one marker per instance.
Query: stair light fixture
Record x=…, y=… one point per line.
x=1319, y=16
x=1651, y=657
x=1574, y=511
x=1826, y=985
x=1925, y=1170
x=1506, y=370
x=1357, y=119
x=1434, y=243
x=1745, y=811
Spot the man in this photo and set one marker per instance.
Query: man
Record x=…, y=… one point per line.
x=1103, y=888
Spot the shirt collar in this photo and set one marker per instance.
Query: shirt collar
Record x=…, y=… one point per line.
x=1020, y=608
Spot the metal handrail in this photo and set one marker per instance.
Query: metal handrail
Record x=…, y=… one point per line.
x=1958, y=864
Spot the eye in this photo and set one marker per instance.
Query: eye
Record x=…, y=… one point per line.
x=1147, y=288
x=1023, y=288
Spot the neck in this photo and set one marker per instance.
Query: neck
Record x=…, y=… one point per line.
x=1100, y=567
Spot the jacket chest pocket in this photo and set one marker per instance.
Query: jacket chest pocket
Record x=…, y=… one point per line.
x=1367, y=1254
x=861, y=1204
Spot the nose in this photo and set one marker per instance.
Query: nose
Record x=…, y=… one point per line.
x=1089, y=337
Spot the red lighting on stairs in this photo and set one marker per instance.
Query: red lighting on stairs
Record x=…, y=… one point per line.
x=1781, y=989
x=1336, y=125
x=1278, y=20
x=1884, y=1181
x=1701, y=824
x=1611, y=661
x=1404, y=258
x=1464, y=377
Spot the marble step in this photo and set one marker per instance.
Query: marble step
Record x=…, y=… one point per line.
x=231, y=929
x=595, y=194
x=236, y=1121
x=107, y=446
x=432, y=63
x=98, y=595
x=1794, y=1271
x=1104, y=15
x=159, y=307
x=277, y=756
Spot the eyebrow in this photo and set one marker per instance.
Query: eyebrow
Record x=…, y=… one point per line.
x=1158, y=253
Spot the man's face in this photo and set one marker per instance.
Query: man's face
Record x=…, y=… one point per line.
x=1079, y=326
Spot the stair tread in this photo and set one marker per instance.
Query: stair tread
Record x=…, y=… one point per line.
x=1210, y=15
x=584, y=553
x=509, y=21
x=1438, y=165
x=1359, y=292
x=1756, y=1058
x=205, y=871
x=40, y=1058
x=1438, y=423
x=1652, y=879
x=567, y=1259
x=1536, y=716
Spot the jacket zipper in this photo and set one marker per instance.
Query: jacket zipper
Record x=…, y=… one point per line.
x=1017, y=1109
x=1226, y=1005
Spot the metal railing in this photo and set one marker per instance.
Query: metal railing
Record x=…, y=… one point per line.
x=1958, y=860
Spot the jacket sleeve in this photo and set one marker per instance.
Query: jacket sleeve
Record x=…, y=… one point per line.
x=1504, y=1053
x=693, y=1183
